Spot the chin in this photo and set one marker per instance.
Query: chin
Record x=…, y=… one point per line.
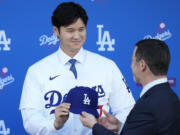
x=76, y=50
x=77, y=47
x=136, y=79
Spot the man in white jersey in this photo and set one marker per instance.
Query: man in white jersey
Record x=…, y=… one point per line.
x=48, y=81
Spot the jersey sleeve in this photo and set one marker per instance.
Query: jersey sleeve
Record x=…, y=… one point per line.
x=121, y=100
x=35, y=120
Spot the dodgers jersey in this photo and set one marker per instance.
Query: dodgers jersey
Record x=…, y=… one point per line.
x=49, y=80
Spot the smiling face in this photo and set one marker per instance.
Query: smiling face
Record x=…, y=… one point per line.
x=72, y=37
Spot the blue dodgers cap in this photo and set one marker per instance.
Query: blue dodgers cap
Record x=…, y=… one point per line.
x=83, y=99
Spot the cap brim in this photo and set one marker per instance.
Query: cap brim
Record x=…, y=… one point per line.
x=80, y=110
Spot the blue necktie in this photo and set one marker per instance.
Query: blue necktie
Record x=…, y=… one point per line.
x=73, y=68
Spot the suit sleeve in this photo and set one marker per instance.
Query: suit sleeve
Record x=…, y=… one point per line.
x=100, y=130
x=139, y=122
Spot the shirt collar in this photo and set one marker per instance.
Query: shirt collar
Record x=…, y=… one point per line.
x=151, y=84
x=64, y=58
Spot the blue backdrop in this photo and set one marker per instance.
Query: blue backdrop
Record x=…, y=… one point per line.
x=114, y=26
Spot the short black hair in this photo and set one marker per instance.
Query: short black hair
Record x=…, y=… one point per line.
x=67, y=13
x=156, y=55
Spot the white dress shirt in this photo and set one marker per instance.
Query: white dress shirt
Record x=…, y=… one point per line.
x=48, y=80
x=151, y=84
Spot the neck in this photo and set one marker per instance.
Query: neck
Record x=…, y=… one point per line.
x=151, y=78
x=69, y=52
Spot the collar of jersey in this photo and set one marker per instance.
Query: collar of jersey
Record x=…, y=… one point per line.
x=64, y=58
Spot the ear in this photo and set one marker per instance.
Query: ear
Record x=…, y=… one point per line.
x=143, y=65
x=56, y=32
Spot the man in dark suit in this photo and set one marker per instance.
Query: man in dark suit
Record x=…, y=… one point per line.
x=157, y=111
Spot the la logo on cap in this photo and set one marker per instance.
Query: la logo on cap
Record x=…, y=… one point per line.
x=83, y=99
x=86, y=100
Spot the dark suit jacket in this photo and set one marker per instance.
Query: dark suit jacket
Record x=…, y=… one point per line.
x=157, y=112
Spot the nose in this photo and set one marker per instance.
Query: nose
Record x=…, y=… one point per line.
x=76, y=35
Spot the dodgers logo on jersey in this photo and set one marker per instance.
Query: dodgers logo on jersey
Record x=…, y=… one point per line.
x=99, y=90
x=5, y=79
x=3, y=129
x=4, y=41
x=162, y=34
x=54, y=97
x=104, y=39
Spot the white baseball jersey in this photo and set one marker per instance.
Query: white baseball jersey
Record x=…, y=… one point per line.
x=48, y=80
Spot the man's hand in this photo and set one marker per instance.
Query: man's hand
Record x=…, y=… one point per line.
x=88, y=120
x=61, y=115
x=109, y=122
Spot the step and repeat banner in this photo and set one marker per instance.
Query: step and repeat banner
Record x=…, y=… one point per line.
x=26, y=36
